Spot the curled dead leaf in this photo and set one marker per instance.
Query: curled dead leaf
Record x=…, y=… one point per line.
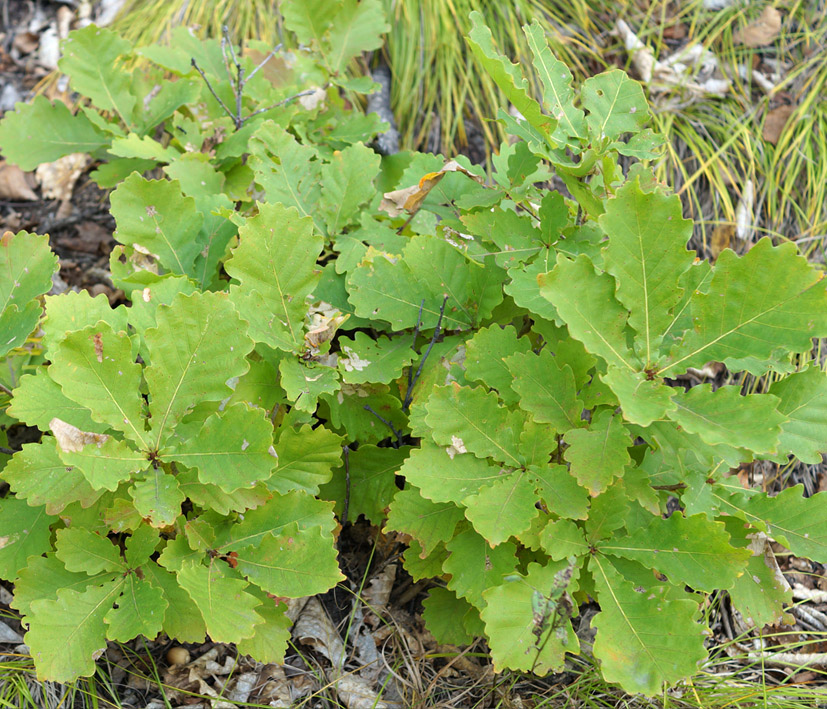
x=57, y=179
x=410, y=199
x=760, y=32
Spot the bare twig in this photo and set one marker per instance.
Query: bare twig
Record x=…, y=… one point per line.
x=396, y=432
x=7, y=451
x=5, y=389
x=266, y=59
x=212, y=90
x=306, y=92
x=413, y=380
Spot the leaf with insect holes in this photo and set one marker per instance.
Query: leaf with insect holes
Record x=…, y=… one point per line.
x=275, y=266
x=209, y=346
x=156, y=216
x=42, y=131
x=522, y=638
x=615, y=104
x=305, y=383
x=363, y=359
x=95, y=366
x=291, y=564
x=644, y=639
x=429, y=269
x=232, y=450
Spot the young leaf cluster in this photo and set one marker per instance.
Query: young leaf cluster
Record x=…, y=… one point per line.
x=484, y=365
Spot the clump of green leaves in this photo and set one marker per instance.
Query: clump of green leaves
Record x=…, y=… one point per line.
x=481, y=365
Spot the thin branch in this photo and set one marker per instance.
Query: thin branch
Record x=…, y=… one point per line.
x=346, y=453
x=413, y=380
x=5, y=389
x=7, y=451
x=396, y=432
x=306, y=92
x=266, y=59
x=212, y=90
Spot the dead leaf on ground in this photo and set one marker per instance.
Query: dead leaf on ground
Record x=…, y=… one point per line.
x=760, y=32
x=13, y=183
x=26, y=42
x=57, y=179
x=774, y=123
x=410, y=199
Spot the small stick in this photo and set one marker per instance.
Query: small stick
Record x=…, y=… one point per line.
x=346, y=453
x=212, y=91
x=412, y=381
x=396, y=432
x=306, y=92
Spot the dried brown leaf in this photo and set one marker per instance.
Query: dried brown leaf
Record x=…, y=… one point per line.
x=13, y=183
x=410, y=199
x=71, y=439
x=774, y=123
x=721, y=239
x=57, y=179
x=760, y=32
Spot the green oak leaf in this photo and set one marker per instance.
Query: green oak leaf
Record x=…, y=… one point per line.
x=690, y=550
x=646, y=253
x=445, y=615
x=560, y=492
x=770, y=298
x=275, y=266
x=24, y=532
x=214, y=590
x=725, y=416
x=37, y=474
x=644, y=639
x=232, y=450
x=506, y=75
x=485, y=359
x=90, y=58
x=182, y=620
x=608, y=512
x=157, y=497
x=562, y=538
x=66, y=633
x=586, y=302
x=430, y=269
x=558, y=96
x=292, y=563
x=269, y=641
x=445, y=475
x=474, y=566
x=347, y=183
x=471, y=420
x=155, y=215
x=96, y=366
x=546, y=389
x=43, y=577
x=72, y=311
x=82, y=550
x=798, y=522
x=195, y=337
x=802, y=398
x=138, y=611
x=305, y=459
x=642, y=400
x=41, y=132
x=511, y=622
x=598, y=454
x=428, y=522
x=104, y=461
x=514, y=235
x=26, y=264
x=503, y=508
